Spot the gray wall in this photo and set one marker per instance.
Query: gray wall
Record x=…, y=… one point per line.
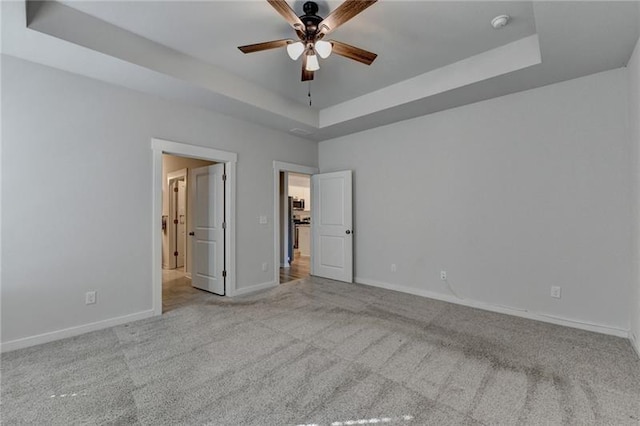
x=510, y=196
x=76, y=194
x=634, y=121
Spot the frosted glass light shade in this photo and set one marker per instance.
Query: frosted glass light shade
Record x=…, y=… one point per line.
x=323, y=48
x=295, y=49
x=312, y=63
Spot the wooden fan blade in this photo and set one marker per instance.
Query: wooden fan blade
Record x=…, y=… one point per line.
x=353, y=52
x=283, y=8
x=342, y=14
x=274, y=44
x=306, y=75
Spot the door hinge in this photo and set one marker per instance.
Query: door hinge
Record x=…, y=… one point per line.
x=175, y=253
x=224, y=225
x=224, y=177
x=224, y=274
x=175, y=189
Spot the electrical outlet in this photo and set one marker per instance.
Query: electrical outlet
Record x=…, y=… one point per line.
x=393, y=267
x=90, y=298
x=556, y=292
x=265, y=266
x=443, y=275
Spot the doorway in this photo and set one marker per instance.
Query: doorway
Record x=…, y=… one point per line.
x=293, y=244
x=178, y=208
x=296, y=264
x=194, y=168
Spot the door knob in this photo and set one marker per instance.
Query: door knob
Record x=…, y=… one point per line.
x=192, y=233
x=348, y=232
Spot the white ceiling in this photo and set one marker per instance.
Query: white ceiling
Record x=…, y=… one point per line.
x=432, y=55
x=296, y=179
x=410, y=38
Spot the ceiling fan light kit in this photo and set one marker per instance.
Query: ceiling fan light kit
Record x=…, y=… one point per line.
x=311, y=29
x=312, y=62
x=295, y=49
x=323, y=48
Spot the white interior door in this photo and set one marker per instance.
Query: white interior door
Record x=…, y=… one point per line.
x=173, y=227
x=332, y=226
x=181, y=216
x=207, y=235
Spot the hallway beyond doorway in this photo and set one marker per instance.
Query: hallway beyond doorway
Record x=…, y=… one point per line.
x=300, y=268
x=178, y=292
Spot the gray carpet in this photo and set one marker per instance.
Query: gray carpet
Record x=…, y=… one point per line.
x=325, y=353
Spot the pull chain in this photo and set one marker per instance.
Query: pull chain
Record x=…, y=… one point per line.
x=309, y=94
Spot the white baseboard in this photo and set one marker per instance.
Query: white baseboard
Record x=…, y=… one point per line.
x=25, y=342
x=499, y=309
x=635, y=343
x=254, y=288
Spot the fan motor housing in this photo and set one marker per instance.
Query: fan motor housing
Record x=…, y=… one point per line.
x=310, y=18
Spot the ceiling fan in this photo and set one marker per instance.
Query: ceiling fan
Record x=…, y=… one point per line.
x=311, y=29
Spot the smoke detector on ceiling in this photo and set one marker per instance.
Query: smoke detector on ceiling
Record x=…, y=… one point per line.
x=500, y=21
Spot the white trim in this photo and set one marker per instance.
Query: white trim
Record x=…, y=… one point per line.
x=254, y=288
x=635, y=344
x=283, y=215
x=280, y=166
x=159, y=147
x=1, y=187
x=193, y=151
x=597, y=328
x=230, y=215
x=294, y=168
x=72, y=331
x=176, y=175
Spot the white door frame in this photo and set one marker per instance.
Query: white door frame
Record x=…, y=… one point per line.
x=172, y=242
x=159, y=147
x=284, y=207
x=279, y=166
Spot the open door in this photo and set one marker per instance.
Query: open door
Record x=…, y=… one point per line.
x=332, y=226
x=181, y=226
x=207, y=235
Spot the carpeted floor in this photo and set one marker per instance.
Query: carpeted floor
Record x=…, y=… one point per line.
x=319, y=352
